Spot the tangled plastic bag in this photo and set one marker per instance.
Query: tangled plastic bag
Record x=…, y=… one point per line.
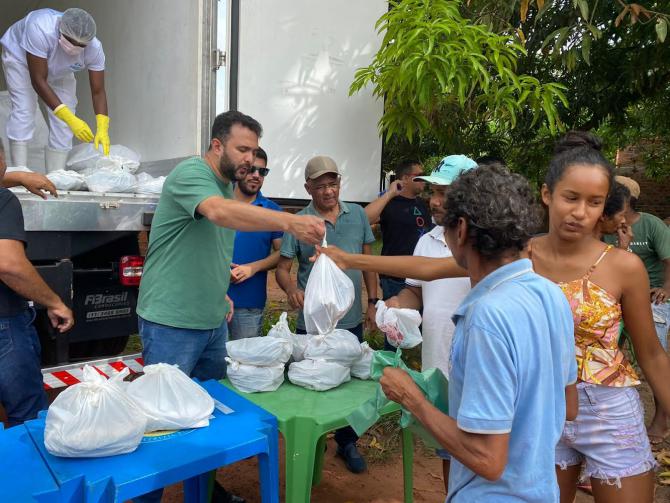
x=340, y=346
x=252, y=379
x=86, y=158
x=94, y=418
x=362, y=366
x=329, y=294
x=400, y=326
x=65, y=179
x=260, y=351
x=318, y=375
x=170, y=399
x=111, y=180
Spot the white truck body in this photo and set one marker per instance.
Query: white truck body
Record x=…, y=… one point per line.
x=288, y=64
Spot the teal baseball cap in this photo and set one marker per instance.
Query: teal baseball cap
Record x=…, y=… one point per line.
x=448, y=169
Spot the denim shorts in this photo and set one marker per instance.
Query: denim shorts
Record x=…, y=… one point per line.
x=608, y=435
x=661, y=314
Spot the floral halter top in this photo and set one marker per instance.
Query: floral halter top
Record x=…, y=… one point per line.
x=597, y=318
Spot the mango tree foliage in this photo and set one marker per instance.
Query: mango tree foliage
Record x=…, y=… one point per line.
x=442, y=75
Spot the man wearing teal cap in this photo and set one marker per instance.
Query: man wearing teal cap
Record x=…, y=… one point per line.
x=439, y=298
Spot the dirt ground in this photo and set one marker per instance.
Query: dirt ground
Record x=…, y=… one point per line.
x=382, y=482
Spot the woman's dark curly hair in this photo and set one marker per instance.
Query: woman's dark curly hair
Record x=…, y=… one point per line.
x=616, y=201
x=499, y=207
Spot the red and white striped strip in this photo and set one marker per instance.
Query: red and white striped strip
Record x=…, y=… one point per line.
x=67, y=375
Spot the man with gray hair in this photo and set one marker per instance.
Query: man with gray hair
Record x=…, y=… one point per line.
x=347, y=227
x=21, y=390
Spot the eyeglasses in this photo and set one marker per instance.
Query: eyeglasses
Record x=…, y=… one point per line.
x=327, y=186
x=261, y=171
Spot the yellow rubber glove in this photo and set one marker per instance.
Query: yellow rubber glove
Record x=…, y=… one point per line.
x=102, y=133
x=78, y=126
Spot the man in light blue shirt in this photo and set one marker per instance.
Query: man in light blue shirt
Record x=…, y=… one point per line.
x=512, y=361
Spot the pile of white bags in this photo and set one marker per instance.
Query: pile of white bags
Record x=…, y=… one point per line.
x=170, y=399
x=94, y=418
x=330, y=352
x=257, y=363
x=318, y=375
x=112, y=173
x=400, y=325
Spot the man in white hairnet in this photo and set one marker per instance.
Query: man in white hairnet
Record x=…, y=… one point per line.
x=40, y=54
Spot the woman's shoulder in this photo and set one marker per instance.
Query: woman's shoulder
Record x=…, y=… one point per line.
x=625, y=262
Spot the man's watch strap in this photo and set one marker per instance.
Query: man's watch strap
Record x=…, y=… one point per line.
x=373, y=300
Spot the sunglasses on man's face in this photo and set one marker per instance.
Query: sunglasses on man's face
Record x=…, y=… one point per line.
x=261, y=171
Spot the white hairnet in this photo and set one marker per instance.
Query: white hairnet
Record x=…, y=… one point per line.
x=79, y=25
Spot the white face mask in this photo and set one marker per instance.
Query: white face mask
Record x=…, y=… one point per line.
x=69, y=48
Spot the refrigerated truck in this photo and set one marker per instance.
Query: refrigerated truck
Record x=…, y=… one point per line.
x=171, y=66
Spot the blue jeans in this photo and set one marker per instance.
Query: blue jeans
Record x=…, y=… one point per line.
x=199, y=353
x=246, y=322
x=21, y=387
x=661, y=314
x=391, y=287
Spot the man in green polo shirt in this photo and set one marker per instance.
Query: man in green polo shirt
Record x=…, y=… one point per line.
x=182, y=305
x=347, y=227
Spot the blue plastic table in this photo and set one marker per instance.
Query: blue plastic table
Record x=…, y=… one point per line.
x=23, y=474
x=239, y=430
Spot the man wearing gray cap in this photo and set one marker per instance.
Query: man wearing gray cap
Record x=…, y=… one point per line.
x=347, y=227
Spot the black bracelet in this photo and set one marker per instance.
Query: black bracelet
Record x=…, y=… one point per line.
x=373, y=301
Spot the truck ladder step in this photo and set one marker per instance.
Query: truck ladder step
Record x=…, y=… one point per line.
x=67, y=375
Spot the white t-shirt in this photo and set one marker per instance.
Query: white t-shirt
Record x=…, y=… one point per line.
x=440, y=297
x=38, y=34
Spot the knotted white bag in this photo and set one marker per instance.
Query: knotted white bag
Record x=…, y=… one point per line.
x=340, y=346
x=260, y=351
x=281, y=330
x=252, y=379
x=111, y=180
x=65, y=179
x=318, y=375
x=93, y=418
x=329, y=294
x=362, y=367
x=400, y=325
x=170, y=399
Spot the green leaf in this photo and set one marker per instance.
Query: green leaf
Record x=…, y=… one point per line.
x=586, y=50
x=584, y=9
x=661, y=29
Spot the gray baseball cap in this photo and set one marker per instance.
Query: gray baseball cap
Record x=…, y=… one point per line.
x=320, y=165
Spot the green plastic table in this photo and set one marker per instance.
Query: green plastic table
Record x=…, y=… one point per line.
x=304, y=418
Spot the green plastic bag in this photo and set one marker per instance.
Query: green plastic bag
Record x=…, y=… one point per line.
x=432, y=383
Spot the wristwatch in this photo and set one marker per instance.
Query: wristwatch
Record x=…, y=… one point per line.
x=373, y=300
